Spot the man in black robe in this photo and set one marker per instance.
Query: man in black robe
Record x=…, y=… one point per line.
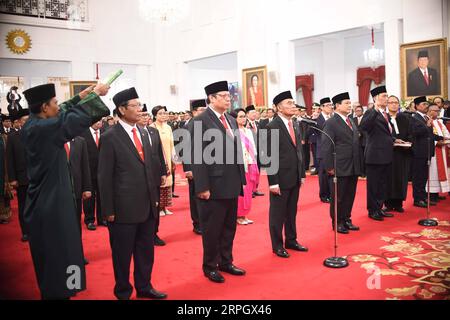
x=50, y=210
x=401, y=161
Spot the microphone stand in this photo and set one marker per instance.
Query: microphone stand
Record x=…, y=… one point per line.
x=428, y=222
x=335, y=262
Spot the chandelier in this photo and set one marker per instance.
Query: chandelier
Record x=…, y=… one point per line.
x=164, y=11
x=373, y=56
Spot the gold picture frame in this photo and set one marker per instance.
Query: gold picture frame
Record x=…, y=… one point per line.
x=251, y=77
x=77, y=86
x=413, y=80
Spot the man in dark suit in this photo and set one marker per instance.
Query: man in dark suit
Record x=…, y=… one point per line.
x=198, y=107
x=158, y=162
x=325, y=115
x=423, y=81
x=286, y=181
x=423, y=149
x=77, y=157
x=305, y=133
x=345, y=135
x=129, y=198
x=92, y=205
x=17, y=169
x=270, y=116
x=357, y=118
x=378, y=153
x=218, y=183
x=6, y=125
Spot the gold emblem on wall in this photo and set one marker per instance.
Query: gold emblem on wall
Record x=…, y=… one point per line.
x=18, y=41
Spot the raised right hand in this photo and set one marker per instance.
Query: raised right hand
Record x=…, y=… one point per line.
x=101, y=89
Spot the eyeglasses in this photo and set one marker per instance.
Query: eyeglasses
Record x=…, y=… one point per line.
x=135, y=105
x=393, y=102
x=224, y=95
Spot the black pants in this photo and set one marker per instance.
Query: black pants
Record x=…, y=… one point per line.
x=193, y=205
x=218, y=221
x=419, y=178
x=314, y=154
x=283, y=213
x=21, y=199
x=324, y=184
x=173, y=182
x=394, y=203
x=346, y=197
x=377, y=183
x=307, y=155
x=127, y=241
x=92, y=208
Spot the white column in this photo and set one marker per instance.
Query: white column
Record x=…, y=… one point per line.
x=334, y=69
x=393, y=38
x=286, y=58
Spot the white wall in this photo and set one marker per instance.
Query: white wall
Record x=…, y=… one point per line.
x=262, y=31
x=118, y=38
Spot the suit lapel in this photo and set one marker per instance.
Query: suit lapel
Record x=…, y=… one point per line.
x=285, y=130
x=127, y=141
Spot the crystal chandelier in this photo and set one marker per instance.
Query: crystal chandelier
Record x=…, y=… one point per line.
x=373, y=56
x=164, y=11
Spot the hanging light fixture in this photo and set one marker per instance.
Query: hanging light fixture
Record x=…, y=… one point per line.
x=164, y=11
x=374, y=56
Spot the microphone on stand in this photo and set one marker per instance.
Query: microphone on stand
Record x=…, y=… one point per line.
x=308, y=121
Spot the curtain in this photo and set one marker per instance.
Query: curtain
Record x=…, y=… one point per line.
x=365, y=76
x=306, y=83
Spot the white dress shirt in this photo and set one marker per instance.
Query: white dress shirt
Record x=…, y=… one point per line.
x=129, y=131
x=218, y=115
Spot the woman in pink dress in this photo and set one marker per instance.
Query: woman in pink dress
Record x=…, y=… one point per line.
x=250, y=165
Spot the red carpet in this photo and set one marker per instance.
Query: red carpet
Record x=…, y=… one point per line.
x=414, y=261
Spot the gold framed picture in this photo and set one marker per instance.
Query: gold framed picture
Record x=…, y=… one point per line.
x=424, y=69
x=77, y=86
x=254, y=87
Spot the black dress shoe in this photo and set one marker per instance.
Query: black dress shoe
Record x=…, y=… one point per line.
x=282, y=253
x=440, y=198
x=342, y=229
x=198, y=231
x=385, y=214
x=151, y=294
x=258, y=194
x=159, y=242
x=214, y=276
x=91, y=227
x=86, y=261
x=103, y=224
x=24, y=238
x=400, y=210
x=325, y=200
x=175, y=195
x=297, y=247
x=376, y=216
x=388, y=209
x=420, y=204
x=232, y=269
x=350, y=226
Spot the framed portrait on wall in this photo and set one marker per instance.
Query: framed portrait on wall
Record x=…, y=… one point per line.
x=424, y=69
x=77, y=86
x=254, y=89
